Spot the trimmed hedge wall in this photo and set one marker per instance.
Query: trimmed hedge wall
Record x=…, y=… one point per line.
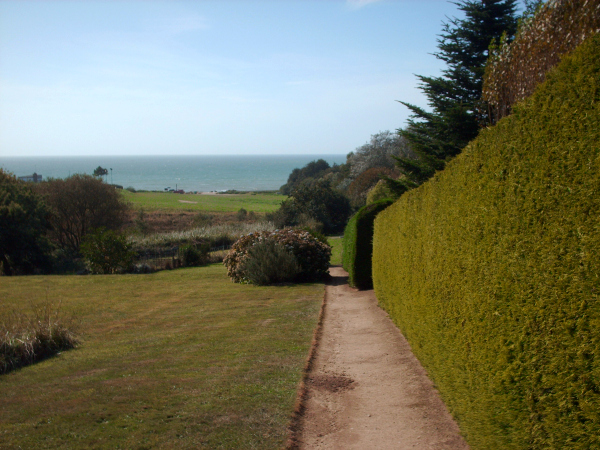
x=491, y=270
x=358, y=244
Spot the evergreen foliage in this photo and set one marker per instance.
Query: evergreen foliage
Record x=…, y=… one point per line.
x=313, y=170
x=455, y=97
x=358, y=244
x=100, y=171
x=315, y=202
x=491, y=270
x=379, y=192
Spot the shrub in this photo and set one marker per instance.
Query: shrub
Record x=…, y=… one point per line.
x=316, y=233
x=358, y=244
x=65, y=261
x=380, y=191
x=311, y=254
x=316, y=201
x=106, y=251
x=194, y=255
x=241, y=215
x=357, y=191
x=269, y=262
x=23, y=226
x=491, y=270
x=81, y=204
x=27, y=338
x=313, y=170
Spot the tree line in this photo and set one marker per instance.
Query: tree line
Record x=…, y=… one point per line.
x=43, y=225
x=393, y=162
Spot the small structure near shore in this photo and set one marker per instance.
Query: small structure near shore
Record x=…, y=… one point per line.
x=35, y=178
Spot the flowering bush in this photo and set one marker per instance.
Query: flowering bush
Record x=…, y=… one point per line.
x=311, y=254
x=269, y=262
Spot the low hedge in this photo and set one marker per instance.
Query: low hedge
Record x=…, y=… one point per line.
x=358, y=244
x=491, y=270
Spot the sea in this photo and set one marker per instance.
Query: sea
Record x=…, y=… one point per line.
x=190, y=173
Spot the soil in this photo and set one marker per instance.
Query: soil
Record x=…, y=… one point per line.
x=366, y=389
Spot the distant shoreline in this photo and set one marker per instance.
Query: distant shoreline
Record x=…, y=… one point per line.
x=191, y=174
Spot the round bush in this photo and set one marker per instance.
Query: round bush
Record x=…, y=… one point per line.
x=269, y=262
x=311, y=254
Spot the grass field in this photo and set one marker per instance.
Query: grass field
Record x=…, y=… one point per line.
x=176, y=359
x=167, y=201
x=336, y=250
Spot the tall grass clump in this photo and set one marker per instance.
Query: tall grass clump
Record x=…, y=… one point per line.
x=217, y=233
x=26, y=338
x=491, y=270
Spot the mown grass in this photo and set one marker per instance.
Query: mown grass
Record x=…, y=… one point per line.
x=167, y=201
x=336, y=243
x=176, y=359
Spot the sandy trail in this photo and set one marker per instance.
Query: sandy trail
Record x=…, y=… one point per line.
x=367, y=390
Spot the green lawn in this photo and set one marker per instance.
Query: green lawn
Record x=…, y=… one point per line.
x=176, y=359
x=152, y=201
x=336, y=250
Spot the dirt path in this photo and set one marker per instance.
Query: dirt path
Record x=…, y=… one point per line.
x=366, y=389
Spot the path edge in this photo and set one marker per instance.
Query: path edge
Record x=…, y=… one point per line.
x=295, y=426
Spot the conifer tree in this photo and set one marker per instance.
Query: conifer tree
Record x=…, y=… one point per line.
x=456, y=111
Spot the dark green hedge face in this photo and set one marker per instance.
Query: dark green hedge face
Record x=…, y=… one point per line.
x=358, y=244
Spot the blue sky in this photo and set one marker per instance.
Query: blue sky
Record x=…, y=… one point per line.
x=210, y=77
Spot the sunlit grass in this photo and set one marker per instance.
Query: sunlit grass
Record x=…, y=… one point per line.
x=176, y=359
x=336, y=250
x=167, y=201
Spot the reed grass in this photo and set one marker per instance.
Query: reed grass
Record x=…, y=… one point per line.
x=28, y=337
x=231, y=230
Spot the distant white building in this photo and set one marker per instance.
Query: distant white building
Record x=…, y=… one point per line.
x=35, y=178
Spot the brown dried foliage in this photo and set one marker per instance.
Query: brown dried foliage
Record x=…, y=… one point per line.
x=515, y=69
x=28, y=338
x=357, y=191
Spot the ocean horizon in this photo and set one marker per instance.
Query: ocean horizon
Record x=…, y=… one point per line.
x=203, y=173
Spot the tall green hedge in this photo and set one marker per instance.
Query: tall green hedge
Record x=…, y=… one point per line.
x=491, y=270
x=358, y=244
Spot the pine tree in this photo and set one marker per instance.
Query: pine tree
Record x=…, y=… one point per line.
x=457, y=111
